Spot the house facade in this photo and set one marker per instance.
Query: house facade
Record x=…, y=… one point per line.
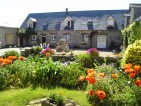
x=8, y=36
x=82, y=29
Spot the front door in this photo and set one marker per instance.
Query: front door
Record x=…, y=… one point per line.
x=9, y=39
x=43, y=39
x=101, y=41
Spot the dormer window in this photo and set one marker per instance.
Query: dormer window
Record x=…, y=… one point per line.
x=31, y=23
x=68, y=23
x=90, y=25
x=57, y=26
x=45, y=27
x=110, y=22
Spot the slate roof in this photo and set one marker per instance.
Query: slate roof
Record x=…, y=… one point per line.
x=80, y=19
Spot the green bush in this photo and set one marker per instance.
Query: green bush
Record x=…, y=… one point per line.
x=47, y=73
x=70, y=75
x=133, y=54
x=19, y=74
x=37, y=50
x=11, y=53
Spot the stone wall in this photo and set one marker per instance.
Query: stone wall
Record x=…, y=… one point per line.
x=8, y=30
x=76, y=38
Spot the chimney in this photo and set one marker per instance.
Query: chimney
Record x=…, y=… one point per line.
x=66, y=11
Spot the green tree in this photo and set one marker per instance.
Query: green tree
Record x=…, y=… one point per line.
x=131, y=33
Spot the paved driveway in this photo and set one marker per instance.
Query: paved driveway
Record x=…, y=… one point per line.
x=75, y=51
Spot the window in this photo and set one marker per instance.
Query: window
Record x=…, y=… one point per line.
x=33, y=37
x=53, y=37
x=85, y=38
x=69, y=24
x=67, y=37
x=110, y=21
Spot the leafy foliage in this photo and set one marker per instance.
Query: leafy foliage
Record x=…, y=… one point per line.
x=70, y=74
x=133, y=54
x=37, y=50
x=11, y=53
x=131, y=33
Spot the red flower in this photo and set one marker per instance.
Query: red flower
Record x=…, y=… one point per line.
x=91, y=92
x=91, y=80
x=21, y=58
x=132, y=75
x=101, y=94
x=138, y=82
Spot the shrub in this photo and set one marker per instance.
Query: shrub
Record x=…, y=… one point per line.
x=37, y=50
x=47, y=73
x=108, y=87
x=133, y=54
x=93, y=52
x=70, y=74
x=11, y=53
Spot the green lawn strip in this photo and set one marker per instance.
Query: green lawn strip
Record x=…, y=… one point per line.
x=22, y=96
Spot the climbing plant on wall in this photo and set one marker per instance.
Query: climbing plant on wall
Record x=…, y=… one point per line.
x=131, y=33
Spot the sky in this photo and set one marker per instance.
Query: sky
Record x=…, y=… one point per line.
x=14, y=12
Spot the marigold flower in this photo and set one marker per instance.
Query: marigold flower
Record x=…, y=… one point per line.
x=138, y=82
x=91, y=92
x=21, y=58
x=81, y=78
x=91, y=80
x=132, y=75
x=114, y=75
x=137, y=67
x=101, y=94
x=10, y=57
x=101, y=75
x=14, y=57
x=47, y=54
x=90, y=70
x=1, y=59
x=127, y=66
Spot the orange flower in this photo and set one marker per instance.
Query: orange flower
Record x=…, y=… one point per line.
x=132, y=75
x=129, y=70
x=90, y=70
x=114, y=75
x=47, y=54
x=127, y=66
x=1, y=59
x=91, y=92
x=101, y=94
x=137, y=67
x=101, y=75
x=14, y=57
x=91, y=80
x=81, y=78
x=138, y=82
x=10, y=57
x=21, y=58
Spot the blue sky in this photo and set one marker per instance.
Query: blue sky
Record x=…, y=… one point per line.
x=14, y=12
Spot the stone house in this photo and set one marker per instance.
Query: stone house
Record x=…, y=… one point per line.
x=134, y=14
x=83, y=29
x=8, y=36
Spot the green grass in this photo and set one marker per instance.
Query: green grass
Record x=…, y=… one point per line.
x=22, y=96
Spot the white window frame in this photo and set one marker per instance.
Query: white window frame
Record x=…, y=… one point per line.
x=53, y=37
x=86, y=38
x=67, y=37
x=33, y=37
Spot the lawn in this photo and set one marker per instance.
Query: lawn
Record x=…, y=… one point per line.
x=21, y=97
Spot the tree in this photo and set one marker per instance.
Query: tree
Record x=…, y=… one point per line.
x=28, y=32
x=131, y=33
